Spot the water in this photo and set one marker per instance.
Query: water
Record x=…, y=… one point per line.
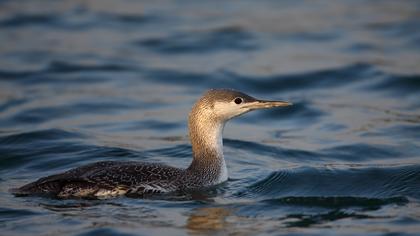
x=86, y=81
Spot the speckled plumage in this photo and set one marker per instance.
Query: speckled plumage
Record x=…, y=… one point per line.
x=112, y=178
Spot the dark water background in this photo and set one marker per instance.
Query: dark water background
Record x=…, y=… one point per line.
x=86, y=81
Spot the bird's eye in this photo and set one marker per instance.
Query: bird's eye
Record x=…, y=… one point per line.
x=238, y=100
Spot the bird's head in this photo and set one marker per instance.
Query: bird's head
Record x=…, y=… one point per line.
x=225, y=104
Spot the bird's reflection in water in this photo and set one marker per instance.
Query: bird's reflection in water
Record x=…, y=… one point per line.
x=208, y=220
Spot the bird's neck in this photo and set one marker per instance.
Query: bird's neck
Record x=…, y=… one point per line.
x=207, y=147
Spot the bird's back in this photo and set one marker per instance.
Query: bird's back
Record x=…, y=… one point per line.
x=103, y=179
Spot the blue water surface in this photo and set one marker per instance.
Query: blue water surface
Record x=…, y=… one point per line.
x=87, y=81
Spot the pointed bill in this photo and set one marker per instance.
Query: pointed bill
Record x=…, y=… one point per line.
x=261, y=104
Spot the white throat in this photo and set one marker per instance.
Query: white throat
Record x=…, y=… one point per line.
x=214, y=141
x=223, y=172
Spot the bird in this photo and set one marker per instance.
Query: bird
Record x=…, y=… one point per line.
x=105, y=179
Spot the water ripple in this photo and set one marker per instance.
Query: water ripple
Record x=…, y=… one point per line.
x=356, y=182
x=100, y=80
x=338, y=202
x=228, y=38
x=28, y=20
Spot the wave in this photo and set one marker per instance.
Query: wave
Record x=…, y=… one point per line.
x=337, y=201
x=371, y=182
x=206, y=41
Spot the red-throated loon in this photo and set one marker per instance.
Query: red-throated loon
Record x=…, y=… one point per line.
x=111, y=178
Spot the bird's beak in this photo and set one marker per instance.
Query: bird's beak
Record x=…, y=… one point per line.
x=261, y=104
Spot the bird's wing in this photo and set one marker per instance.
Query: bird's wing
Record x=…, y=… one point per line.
x=132, y=174
x=107, y=175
